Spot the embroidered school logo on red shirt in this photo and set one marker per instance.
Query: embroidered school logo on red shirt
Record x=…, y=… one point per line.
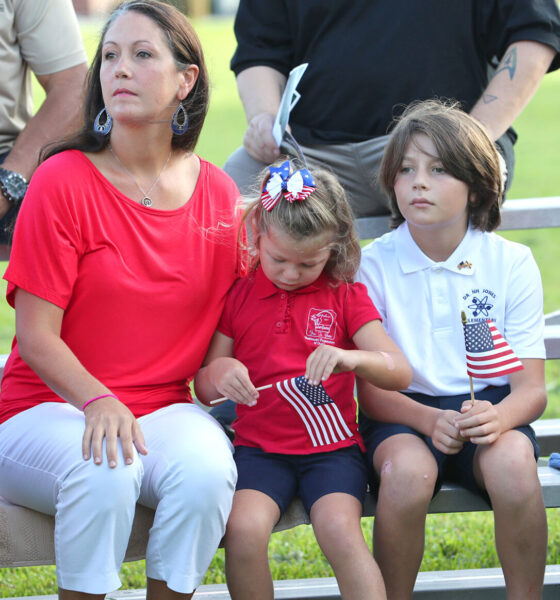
x=321, y=326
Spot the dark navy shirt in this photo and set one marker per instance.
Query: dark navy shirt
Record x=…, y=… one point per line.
x=370, y=58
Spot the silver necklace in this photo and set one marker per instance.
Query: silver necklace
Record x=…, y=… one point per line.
x=146, y=200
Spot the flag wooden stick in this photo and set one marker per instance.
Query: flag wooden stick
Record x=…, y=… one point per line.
x=472, y=390
x=464, y=321
x=220, y=400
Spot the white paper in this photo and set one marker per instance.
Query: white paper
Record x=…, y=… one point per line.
x=289, y=99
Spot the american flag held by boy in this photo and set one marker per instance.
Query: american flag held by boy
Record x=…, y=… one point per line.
x=488, y=353
x=318, y=411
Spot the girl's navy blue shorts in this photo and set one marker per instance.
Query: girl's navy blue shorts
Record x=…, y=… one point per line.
x=456, y=467
x=309, y=476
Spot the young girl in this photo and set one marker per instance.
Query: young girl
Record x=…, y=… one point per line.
x=442, y=172
x=298, y=325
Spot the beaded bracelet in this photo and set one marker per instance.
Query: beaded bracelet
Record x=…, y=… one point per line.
x=98, y=398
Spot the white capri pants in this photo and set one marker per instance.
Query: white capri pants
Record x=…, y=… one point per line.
x=188, y=477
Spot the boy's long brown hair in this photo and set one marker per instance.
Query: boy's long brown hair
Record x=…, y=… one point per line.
x=465, y=150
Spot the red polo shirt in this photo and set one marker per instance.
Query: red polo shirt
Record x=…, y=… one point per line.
x=142, y=289
x=274, y=331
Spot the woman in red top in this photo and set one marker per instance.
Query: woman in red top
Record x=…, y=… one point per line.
x=122, y=257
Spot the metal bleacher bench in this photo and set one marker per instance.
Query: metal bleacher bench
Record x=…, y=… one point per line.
x=26, y=536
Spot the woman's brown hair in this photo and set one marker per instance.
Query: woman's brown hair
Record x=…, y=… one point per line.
x=186, y=50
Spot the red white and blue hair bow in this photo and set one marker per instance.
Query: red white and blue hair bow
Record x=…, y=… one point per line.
x=297, y=186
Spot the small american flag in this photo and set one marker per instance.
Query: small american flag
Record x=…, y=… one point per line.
x=318, y=411
x=488, y=353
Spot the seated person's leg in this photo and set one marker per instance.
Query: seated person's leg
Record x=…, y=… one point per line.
x=94, y=505
x=356, y=166
x=266, y=485
x=506, y=473
x=252, y=518
x=333, y=487
x=406, y=472
x=507, y=469
x=189, y=479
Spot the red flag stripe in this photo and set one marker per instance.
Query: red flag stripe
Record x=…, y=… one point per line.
x=485, y=356
x=499, y=360
x=325, y=424
x=494, y=373
x=303, y=412
x=494, y=365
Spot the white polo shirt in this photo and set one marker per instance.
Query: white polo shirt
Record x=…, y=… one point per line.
x=421, y=301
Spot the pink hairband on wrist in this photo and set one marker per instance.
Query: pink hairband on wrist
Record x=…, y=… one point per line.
x=98, y=398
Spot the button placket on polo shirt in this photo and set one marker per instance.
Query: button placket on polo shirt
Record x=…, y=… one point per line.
x=441, y=305
x=282, y=325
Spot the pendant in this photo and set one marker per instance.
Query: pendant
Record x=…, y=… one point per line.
x=146, y=201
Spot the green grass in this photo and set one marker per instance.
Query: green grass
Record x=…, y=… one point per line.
x=452, y=541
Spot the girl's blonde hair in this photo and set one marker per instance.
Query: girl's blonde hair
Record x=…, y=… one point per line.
x=465, y=150
x=326, y=209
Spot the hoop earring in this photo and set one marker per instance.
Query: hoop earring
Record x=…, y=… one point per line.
x=180, y=120
x=103, y=128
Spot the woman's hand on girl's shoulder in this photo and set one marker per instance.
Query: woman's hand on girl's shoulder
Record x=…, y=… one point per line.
x=110, y=420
